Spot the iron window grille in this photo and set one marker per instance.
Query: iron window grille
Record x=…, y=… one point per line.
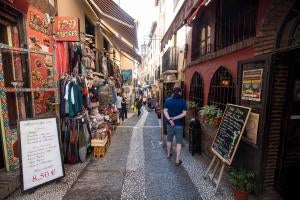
x=205, y=43
x=236, y=21
x=196, y=89
x=221, y=90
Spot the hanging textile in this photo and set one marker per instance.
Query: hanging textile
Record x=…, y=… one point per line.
x=62, y=58
x=76, y=55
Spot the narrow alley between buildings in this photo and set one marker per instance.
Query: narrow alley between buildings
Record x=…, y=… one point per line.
x=136, y=167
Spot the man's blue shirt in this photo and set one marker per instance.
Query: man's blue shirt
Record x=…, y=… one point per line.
x=175, y=107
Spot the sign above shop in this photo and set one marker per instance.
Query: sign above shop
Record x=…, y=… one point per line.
x=41, y=159
x=66, y=29
x=230, y=132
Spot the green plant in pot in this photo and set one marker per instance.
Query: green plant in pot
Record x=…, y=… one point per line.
x=242, y=183
x=192, y=107
x=211, y=115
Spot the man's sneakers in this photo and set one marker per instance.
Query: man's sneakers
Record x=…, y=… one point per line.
x=169, y=156
x=178, y=163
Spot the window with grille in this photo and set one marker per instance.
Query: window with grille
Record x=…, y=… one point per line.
x=205, y=40
x=221, y=89
x=236, y=21
x=202, y=35
x=196, y=89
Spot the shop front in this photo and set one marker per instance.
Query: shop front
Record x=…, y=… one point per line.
x=27, y=71
x=259, y=72
x=269, y=84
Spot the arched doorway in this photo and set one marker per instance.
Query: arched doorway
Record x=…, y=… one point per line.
x=221, y=90
x=287, y=64
x=196, y=89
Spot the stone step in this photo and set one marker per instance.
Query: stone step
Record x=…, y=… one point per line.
x=9, y=182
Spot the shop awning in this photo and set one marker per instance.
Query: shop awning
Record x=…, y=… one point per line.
x=121, y=45
x=179, y=20
x=116, y=18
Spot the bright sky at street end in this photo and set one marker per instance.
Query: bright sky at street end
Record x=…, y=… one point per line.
x=143, y=12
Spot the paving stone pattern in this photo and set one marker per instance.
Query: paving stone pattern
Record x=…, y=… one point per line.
x=54, y=190
x=135, y=167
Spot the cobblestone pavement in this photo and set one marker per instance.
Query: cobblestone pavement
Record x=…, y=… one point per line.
x=135, y=167
x=54, y=190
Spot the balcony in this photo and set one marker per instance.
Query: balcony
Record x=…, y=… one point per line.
x=169, y=60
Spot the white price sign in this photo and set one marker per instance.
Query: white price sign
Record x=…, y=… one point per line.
x=40, y=152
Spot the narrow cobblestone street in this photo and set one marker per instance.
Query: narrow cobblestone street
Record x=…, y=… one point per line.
x=135, y=167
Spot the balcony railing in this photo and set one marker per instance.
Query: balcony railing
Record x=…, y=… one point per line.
x=169, y=60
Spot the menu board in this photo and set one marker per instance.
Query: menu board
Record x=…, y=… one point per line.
x=41, y=159
x=230, y=132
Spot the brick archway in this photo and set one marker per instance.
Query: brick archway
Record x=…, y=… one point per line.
x=266, y=39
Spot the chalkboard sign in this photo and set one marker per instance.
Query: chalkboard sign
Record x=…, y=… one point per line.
x=41, y=159
x=230, y=132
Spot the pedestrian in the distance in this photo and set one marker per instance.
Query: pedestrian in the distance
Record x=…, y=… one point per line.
x=124, y=107
x=119, y=106
x=139, y=104
x=175, y=110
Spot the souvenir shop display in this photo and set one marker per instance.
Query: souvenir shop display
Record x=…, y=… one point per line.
x=87, y=110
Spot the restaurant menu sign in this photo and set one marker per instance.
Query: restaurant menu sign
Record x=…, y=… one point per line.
x=251, y=85
x=41, y=159
x=66, y=29
x=230, y=132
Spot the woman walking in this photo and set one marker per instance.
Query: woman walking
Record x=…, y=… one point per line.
x=124, y=107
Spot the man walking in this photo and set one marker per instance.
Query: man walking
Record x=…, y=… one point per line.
x=175, y=110
x=138, y=103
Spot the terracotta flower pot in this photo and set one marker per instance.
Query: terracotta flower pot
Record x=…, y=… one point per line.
x=239, y=195
x=217, y=121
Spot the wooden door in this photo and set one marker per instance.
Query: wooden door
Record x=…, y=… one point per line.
x=289, y=165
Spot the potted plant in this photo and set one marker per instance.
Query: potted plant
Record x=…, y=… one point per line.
x=242, y=183
x=211, y=115
x=192, y=107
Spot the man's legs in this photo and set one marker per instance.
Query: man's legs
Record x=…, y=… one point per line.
x=139, y=111
x=170, y=136
x=169, y=144
x=123, y=115
x=179, y=140
x=178, y=151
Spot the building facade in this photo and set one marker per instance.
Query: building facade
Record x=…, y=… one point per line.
x=246, y=53
x=32, y=62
